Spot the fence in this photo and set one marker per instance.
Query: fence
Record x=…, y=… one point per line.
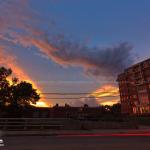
x=31, y=123
x=60, y=123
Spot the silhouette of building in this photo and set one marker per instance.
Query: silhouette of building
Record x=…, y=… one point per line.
x=75, y=112
x=134, y=86
x=66, y=111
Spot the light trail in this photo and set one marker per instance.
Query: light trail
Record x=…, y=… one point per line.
x=107, y=135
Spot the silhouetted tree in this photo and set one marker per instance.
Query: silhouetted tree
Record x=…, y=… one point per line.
x=23, y=94
x=67, y=105
x=85, y=106
x=4, y=73
x=4, y=86
x=17, y=93
x=56, y=106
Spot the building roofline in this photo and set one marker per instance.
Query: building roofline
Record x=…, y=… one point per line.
x=136, y=64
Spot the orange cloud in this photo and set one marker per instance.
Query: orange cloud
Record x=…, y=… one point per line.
x=107, y=95
x=94, y=61
x=9, y=61
x=20, y=15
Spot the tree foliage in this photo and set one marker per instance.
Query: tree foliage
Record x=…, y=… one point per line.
x=15, y=93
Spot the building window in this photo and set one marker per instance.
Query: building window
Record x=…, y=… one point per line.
x=146, y=64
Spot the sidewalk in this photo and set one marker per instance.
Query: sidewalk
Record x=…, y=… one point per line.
x=141, y=130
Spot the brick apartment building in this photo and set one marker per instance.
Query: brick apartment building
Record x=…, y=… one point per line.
x=134, y=86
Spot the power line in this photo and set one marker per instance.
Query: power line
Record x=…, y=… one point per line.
x=64, y=93
x=75, y=97
x=77, y=93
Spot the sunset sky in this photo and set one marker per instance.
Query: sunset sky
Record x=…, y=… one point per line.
x=74, y=46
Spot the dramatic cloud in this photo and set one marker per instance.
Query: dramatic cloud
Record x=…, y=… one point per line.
x=95, y=61
x=20, y=28
x=21, y=25
x=107, y=95
x=8, y=60
x=12, y=19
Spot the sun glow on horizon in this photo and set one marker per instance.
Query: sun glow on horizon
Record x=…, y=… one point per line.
x=110, y=103
x=107, y=95
x=41, y=104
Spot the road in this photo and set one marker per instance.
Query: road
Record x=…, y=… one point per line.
x=76, y=143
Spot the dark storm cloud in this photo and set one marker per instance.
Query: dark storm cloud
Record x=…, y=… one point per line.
x=95, y=61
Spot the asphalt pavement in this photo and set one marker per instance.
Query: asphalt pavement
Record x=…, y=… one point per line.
x=76, y=143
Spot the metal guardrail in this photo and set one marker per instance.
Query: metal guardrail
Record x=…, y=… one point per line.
x=31, y=123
